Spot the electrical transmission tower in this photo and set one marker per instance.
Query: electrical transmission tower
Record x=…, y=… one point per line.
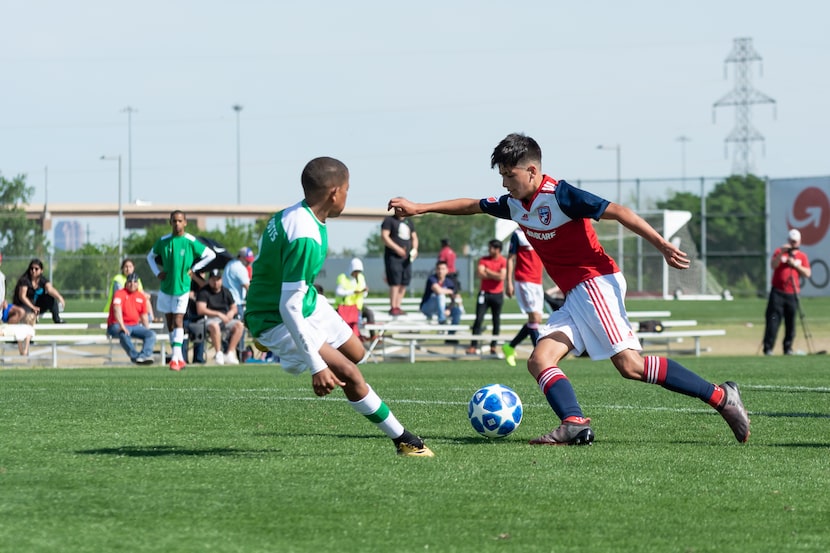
x=742, y=96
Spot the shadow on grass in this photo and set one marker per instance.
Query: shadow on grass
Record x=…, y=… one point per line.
x=790, y=415
x=316, y=435
x=427, y=438
x=172, y=450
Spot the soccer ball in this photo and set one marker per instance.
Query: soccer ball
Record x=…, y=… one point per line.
x=495, y=411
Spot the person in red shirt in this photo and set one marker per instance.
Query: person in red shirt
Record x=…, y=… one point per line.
x=524, y=281
x=129, y=319
x=447, y=255
x=556, y=218
x=492, y=270
x=789, y=264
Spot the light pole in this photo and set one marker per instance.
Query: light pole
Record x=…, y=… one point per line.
x=620, y=252
x=120, y=206
x=683, y=139
x=237, y=108
x=129, y=110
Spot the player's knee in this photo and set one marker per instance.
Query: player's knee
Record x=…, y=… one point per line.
x=629, y=368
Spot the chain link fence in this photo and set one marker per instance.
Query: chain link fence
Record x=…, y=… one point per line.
x=715, y=264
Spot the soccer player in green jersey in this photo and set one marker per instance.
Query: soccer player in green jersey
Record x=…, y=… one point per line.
x=177, y=251
x=285, y=314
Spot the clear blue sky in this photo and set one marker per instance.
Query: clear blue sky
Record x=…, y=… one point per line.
x=412, y=97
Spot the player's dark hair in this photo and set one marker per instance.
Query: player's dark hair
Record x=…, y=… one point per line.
x=177, y=212
x=495, y=244
x=322, y=173
x=514, y=148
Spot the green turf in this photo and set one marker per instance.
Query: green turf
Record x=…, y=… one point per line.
x=247, y=459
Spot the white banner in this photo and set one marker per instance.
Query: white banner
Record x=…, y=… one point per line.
x=802, y=204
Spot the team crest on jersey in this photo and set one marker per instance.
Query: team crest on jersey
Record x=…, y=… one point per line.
x=492, y=200
x=544, y=214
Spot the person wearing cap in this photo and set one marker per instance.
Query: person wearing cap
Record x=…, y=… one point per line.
x=789, y=265
x=350, y=292
x=237, y=277
x=129, y=318
x=215, y=302
x=118, y=281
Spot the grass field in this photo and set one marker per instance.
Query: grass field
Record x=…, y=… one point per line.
x=246, y=459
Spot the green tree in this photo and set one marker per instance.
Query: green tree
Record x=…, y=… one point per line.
x=735, y=230
x=18, y=235
x=85, y=273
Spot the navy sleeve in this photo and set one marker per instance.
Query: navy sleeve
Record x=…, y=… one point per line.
x=579, y=204
x=513, y=248
x=497, y=207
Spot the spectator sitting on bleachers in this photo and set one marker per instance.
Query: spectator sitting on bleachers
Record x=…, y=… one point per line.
x=118, y=282
x=439, y=296
x=216, y=303
x=11, y=314
x=129, y=318
x=35, y=294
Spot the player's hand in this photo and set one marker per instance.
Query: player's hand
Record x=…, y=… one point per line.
x=402, y=206
x=675, y=258
x=324, y=382
x=162, y=275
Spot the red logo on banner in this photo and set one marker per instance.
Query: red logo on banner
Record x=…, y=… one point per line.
x=810, y=215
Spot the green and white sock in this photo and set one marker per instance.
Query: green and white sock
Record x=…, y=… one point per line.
x=374, y=409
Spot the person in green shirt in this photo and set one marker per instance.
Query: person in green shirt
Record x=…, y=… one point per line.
x=284, y=315
x=180, y=255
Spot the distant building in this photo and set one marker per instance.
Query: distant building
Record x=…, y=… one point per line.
x=69, y=236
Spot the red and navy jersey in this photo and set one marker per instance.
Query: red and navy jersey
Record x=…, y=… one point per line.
x=556, y=221
x=528, y=264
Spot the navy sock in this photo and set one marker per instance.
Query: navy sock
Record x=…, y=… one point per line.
x=560, y=393
x=673, y=376
x=534, y=334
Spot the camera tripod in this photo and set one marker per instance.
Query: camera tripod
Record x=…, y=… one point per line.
x=808, y=337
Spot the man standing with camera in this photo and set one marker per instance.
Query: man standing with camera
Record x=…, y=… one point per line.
x=789, y=264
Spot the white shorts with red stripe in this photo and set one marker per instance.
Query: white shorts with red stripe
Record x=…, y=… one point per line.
x=594, y=318
x=531, y=297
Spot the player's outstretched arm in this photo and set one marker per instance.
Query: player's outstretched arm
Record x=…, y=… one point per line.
x=630, y=220
x=460, y=206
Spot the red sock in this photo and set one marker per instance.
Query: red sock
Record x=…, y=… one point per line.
x=718, y=396
x=654, y=369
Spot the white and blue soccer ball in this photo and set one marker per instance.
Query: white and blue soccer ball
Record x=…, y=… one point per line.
x=495, y=411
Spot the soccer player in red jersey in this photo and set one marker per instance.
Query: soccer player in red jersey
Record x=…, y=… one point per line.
x=556, y=218
x=524, y=281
